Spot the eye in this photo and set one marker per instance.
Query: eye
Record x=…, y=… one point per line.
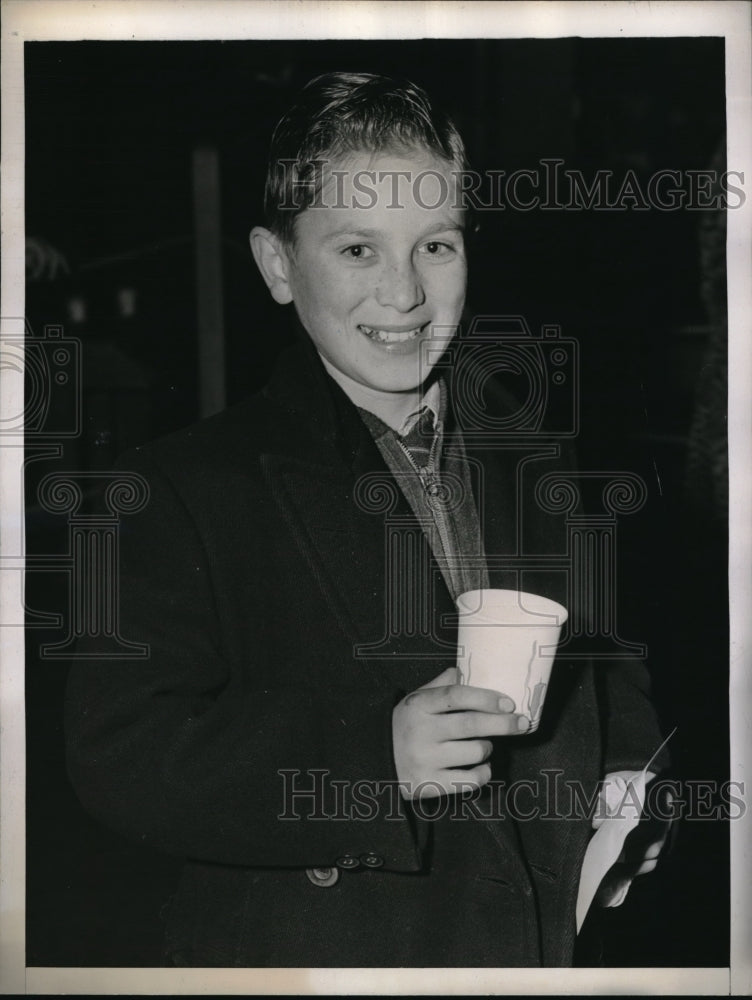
x=358, y=251
x=435, y=248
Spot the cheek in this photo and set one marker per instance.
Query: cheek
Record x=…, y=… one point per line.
x=347, y=289
x=448, y=287
x=315, y=292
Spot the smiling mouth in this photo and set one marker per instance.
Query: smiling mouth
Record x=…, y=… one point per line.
x=391, y=336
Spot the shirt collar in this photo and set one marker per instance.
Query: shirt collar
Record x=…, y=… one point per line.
x=432, y=400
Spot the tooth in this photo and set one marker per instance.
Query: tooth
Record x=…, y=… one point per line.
x=389, y=337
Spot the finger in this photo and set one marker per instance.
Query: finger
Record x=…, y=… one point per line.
x=464, y=698
x=445, y=678
x=614, y=893
x=653, y=850
x=467, y=779
x=646, y=867
x=475, y=725
x=638, y=854
x=463, y=753
x=448, y=782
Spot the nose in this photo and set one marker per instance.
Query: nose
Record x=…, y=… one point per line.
x=400, y=286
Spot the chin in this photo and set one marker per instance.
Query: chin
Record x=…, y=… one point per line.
x=397, y=383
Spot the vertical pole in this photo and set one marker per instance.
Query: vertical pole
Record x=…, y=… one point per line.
x=209, y=291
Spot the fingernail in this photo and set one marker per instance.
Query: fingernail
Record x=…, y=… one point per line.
x=523, y=723
x=506, y=705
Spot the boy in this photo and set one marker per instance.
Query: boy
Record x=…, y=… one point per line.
x=294, y=575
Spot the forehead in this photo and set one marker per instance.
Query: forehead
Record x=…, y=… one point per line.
x=400, y=193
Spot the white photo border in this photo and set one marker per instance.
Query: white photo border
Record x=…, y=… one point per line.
x=142, y=20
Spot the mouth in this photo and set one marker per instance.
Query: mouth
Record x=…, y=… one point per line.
x=392, y=335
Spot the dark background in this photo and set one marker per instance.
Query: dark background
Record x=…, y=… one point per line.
x=110, y=132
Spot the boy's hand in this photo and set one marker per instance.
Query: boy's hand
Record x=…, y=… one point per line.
x=641, y=850
x=445, y=725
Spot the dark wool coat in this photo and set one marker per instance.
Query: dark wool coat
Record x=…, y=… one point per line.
x=257, y=574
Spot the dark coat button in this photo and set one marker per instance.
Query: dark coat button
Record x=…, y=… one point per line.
x=322, y=877
x=372, y=860
x=347, y=862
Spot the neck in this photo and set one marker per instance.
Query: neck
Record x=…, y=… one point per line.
x=391, y=407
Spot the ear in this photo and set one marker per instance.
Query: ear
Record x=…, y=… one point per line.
x=272, y=262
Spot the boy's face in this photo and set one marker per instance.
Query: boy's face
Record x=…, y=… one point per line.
x=380, y=288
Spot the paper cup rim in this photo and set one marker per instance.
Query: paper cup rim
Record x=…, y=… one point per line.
x=535, y=604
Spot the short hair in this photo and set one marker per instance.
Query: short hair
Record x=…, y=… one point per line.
x=340, y=113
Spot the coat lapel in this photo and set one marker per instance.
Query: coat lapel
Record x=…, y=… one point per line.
x=352, y=524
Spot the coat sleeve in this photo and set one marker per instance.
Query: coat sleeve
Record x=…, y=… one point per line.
x=632, y=734
x=196, y=755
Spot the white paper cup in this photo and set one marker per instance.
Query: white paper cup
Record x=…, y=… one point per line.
x=507, y=642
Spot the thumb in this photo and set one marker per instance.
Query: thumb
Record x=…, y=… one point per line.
x=448, y=676
x=614, y=892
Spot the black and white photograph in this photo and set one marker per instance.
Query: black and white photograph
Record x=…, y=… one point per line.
x=375, y=556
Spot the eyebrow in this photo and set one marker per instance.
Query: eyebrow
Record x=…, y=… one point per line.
x=370, y=234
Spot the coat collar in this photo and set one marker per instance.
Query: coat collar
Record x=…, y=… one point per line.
x=309, y=398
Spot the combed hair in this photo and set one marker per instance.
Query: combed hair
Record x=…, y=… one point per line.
x=341, y=113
